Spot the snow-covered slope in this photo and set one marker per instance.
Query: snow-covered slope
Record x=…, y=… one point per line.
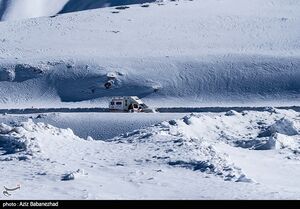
x=80, y=5
x=248, y=155
x=214, y=53
x=21, y=9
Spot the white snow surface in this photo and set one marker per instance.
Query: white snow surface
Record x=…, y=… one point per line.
x=21, y=9
x=220, y=53
x=248, y=155
x=100, y=126
x=11, y=10
x=170, y=53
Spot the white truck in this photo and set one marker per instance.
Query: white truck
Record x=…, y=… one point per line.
x=128, y=104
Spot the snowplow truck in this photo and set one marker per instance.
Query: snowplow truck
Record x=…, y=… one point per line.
x=128, y=104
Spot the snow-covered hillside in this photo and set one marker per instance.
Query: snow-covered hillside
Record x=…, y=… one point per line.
x=21, y=9
x=171, y=54
x=80, y=5
x=214, y=53
x=248, y=155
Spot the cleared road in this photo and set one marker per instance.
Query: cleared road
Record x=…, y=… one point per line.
x=161, y=110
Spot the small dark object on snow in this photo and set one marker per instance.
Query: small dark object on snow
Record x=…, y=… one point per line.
x=122, y=7
x=68, y=177
x=108, y=85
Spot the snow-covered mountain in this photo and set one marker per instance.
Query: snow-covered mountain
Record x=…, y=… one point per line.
x=214, y=53
x=20, y=9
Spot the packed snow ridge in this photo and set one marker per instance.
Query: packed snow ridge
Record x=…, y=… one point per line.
x=235, y=151
x=192, y=142
x=27, y=139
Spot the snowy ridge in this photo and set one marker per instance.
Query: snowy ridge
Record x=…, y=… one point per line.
x=165, y=143
x=237, y=56
x=235, y=81
x=203, y=148
x=248, y=130
x=27, y=140
x=191, y=142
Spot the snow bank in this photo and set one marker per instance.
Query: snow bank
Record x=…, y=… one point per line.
x=194, y=141
x=283, y=126
x=165, y=147
x=28, y=139
x=189, y=83
x=197, y=154
x=166, y=143
x=198, y=142
x=286, y=142
x=283, y=134
x=158, y=145
x=249, y=129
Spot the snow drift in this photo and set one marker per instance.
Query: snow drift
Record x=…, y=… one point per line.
x=244, y=55
x=188, y=83
x=191, y=142
x=203, y=150
x=27, y=139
